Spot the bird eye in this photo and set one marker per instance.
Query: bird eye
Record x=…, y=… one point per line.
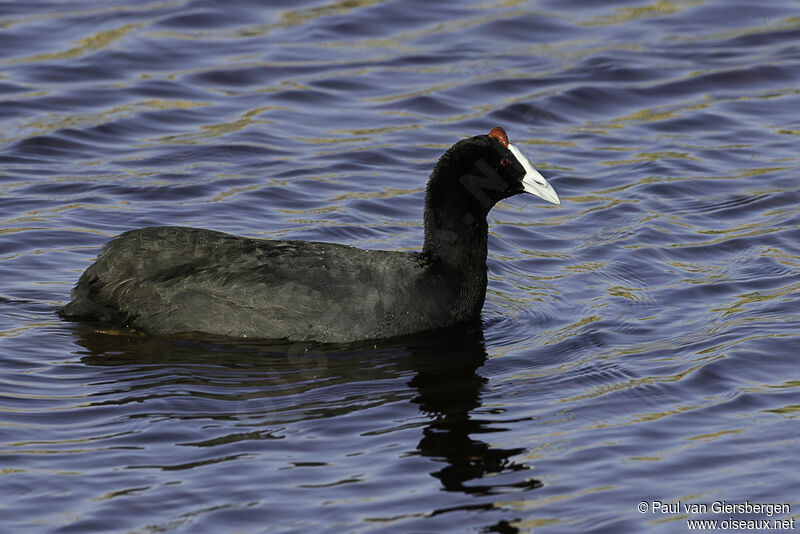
x=504, y=162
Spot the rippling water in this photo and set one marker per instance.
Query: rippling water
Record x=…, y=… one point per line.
x=639, y=342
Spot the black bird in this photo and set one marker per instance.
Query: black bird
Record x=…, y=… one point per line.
x=171, y=280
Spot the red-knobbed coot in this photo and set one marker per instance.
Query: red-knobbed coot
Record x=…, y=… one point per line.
x=171, y=280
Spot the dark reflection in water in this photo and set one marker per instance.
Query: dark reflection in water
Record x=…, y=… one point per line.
x=261, y=394
x=449, y=389
x=253, y=390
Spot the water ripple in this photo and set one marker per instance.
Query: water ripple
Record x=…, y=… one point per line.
x=643, y=330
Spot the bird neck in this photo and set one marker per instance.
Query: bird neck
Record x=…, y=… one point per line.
x=457, y=250
x=456, y=232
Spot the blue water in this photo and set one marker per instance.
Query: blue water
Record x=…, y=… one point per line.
x=639, y=342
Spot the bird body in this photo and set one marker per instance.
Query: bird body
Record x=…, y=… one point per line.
x=172, y=280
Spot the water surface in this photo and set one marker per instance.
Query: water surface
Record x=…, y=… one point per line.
x=639, y=342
